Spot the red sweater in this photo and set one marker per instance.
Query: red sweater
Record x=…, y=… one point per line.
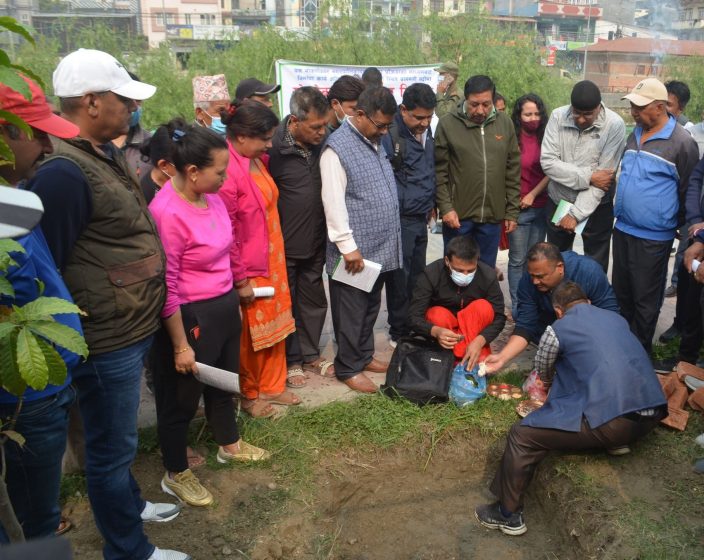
x=531, y=172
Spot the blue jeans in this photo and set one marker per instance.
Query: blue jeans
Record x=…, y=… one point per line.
x=108, y=395
x=531, y=230
x=487, y=237
x=34, y=471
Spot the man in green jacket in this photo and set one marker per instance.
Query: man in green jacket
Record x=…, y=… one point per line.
x=478, y=170
x=447, y=95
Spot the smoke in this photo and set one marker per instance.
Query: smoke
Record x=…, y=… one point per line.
x=661, y=14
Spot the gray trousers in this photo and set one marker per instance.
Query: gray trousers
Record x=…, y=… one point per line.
x=309, y=303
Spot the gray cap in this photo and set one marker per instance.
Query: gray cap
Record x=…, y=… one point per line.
x=448, y=68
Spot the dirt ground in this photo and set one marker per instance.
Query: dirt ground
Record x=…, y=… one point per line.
x=398, y=504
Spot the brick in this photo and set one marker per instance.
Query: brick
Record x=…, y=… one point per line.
x=696, y=400
x=677, y=419
x=685, y=368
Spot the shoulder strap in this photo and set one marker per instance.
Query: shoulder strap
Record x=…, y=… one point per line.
x=399, y=147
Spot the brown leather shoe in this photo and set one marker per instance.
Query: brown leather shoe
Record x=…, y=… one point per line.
x=376, y=366
x=361, y=383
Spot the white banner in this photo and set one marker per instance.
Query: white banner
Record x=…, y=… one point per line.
x=293, y=75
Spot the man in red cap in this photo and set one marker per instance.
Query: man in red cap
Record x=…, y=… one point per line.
x=34, y=471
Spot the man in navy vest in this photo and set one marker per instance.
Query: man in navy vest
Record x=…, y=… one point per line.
x=604, y=395
x=362, y=215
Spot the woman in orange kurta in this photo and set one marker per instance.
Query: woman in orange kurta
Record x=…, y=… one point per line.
x=258, y=259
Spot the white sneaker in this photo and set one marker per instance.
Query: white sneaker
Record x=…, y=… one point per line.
x=162, y=554
x=160, y=512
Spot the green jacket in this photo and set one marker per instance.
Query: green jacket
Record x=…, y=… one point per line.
x=478, y=167
x=447, y=102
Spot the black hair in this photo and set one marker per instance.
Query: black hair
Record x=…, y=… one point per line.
x=157, y=146
x=518, y=108
x=346, y=88
x=249, y=119
x=680, y=90
x=372, y=77
x=134, y=76
x=585, y=96
x=463, y=247
x=498, y=96
x=307, y=100
x=192, y=144
x=419, y=95
x=566, y=294
x=544, y=250
x=479, y=84
x=375, y=99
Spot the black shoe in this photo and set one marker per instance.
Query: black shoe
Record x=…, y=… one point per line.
x=490, y=516
x=666, y=365
x=670, y=334
x=671, y=291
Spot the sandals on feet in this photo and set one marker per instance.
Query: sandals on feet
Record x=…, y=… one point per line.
x=296, y=373
x=321, y=367
x=258, y=408
x=286, y=398
x=64, y=527
x=195, y=459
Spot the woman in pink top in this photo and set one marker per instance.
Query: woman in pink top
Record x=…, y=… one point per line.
x=201, y=313
x=529, y=117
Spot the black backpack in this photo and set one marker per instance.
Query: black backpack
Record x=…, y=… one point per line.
x=420, y=371
x=399, y=146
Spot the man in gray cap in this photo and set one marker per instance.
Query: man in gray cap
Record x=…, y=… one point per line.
x=107, y=248
x=447, y=94
x=256, y=90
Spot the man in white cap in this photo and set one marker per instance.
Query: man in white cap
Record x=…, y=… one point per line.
x=210, y=97
x=649, y=206
x=105, y=243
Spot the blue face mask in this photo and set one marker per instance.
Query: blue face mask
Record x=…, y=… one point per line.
x=216, y=125
x=460, y=279
x=135, y=116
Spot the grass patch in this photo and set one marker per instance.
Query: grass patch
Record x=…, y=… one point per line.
x=72, y=486
x=665, y=351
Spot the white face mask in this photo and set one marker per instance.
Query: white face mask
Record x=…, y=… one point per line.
x=460, y=279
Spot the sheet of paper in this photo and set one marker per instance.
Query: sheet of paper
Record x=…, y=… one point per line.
x=561, y=211
x=362, y=280
x=219, y=378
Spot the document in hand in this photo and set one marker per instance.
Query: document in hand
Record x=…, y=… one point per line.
x=228, y=381
x=561, y=211
x=363, y=280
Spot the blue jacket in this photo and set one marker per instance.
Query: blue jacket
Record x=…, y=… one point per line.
x=535, y=311
x=415, y=180
x=37, y=263
x=651, y=189
x=602, y=372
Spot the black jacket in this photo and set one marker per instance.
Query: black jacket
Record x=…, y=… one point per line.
x=300, y=204
x=435, y=287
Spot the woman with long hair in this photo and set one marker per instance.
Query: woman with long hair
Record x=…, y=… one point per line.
x=529, y=117
x=201, y=314
x=257, y=259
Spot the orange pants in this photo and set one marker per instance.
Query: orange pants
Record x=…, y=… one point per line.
x=469, y=322
x=263, y=371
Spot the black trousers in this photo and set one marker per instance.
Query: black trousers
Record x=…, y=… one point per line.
x=354, y=313
x=213, y=329
x=688, y=316
x=639, y=276
x=399, y=287
x=305, y=281
x=526, y=447
x=596, y=235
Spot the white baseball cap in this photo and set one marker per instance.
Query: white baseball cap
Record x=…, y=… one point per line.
x=90, y=71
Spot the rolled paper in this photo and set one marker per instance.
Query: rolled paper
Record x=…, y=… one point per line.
x=265, y=291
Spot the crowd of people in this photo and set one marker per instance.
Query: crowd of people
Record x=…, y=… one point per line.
x=164, y=239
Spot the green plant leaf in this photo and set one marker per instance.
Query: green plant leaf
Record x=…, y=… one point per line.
x=18, y=122
x=54, y=361
x=9, y=372
x=64, y=336
x=6, y=328
x=30, y=74
x=6, y=288
x=43, y=308
x=14, y=436
x=10, y=245
x=30, y=360
x=11, y=24
x=12, y=78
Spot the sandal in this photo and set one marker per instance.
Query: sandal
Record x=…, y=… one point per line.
x=287, y=398
x=321, y=367
x=295, y=372
x=195, y=459
x=64, y=527
x=257, y=408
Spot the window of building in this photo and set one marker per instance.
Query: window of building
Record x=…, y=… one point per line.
x=376, y=10
x=640, y=70
x=700, y=13
x=187, y=17
x=170, y=19
x=159, y=19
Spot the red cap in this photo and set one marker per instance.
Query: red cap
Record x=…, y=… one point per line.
x=37, y=112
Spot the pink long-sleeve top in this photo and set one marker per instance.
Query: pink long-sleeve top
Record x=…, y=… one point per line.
x=249, y=255
x=197, y=244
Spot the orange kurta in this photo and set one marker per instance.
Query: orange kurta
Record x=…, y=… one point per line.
x=267, y=321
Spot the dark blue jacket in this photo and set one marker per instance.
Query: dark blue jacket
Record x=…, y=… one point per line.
x=415, y=180
x=37, y=264
x=602, y=372
x=535, y=311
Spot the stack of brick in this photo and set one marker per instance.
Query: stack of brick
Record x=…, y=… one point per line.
x=678, y=395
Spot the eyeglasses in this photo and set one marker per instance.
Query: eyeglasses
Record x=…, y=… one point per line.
x=377, y=125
